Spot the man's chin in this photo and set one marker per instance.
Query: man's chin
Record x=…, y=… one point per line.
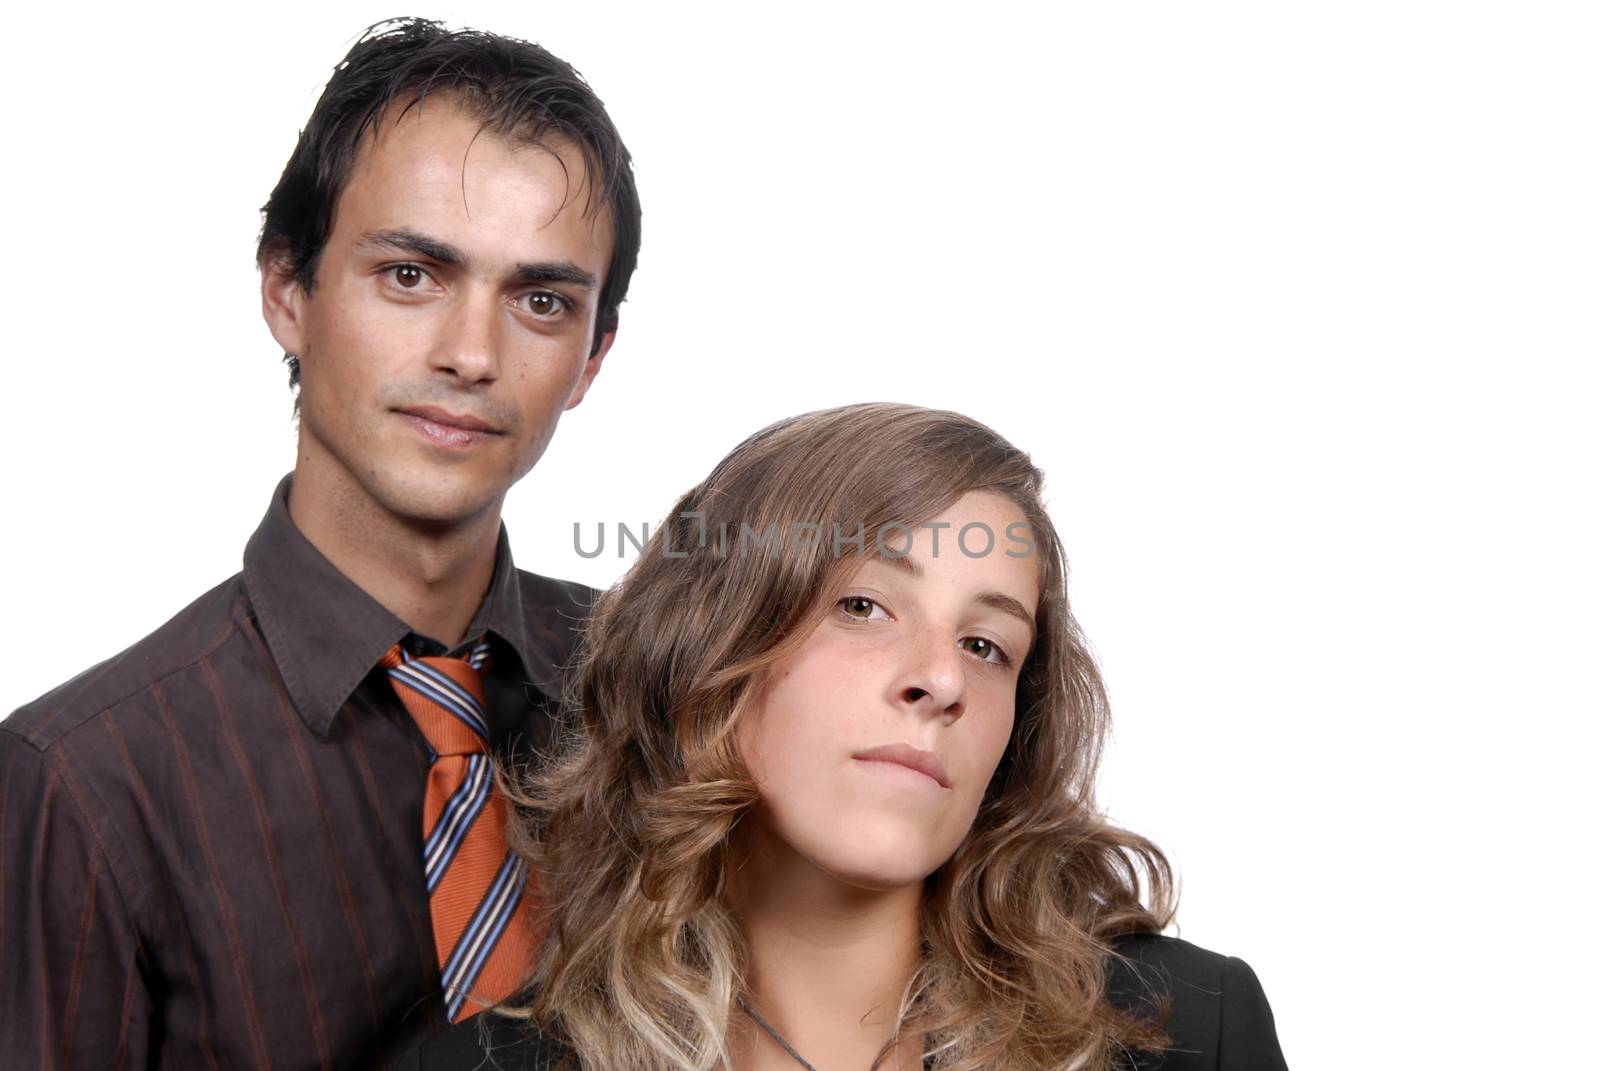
x=438, y=507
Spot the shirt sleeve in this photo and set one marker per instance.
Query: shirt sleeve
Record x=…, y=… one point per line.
x=1247, y=1036
x=72, y=981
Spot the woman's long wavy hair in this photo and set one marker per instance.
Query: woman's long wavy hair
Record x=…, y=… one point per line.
x=629, y=821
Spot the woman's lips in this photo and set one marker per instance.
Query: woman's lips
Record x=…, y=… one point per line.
x=924, y=763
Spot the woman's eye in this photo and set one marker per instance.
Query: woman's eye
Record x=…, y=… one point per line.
x=987, y=650
x=862, y=608
x=545, y=305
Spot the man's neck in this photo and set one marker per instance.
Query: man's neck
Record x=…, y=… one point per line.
x=829, y=963
x=433, y=578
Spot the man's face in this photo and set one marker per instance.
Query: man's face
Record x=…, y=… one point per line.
x=451, y=318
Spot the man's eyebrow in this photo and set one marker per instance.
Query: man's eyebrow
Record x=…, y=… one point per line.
x=556, y=271
x=404, y=241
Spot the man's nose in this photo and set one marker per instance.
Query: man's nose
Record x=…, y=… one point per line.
x=468, y=344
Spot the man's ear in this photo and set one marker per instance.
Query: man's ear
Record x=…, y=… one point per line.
x=590, y=370
x=282, y=299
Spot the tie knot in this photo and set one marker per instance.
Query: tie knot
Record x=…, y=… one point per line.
x=444, y=695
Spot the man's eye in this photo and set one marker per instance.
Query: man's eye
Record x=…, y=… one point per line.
x=861, y=608
x=544, y=304
x=987, y=650
x=408, y=276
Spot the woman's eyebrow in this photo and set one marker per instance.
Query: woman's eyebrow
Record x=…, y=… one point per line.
x=999, y=600
x=903, y=562
x=1006, y=604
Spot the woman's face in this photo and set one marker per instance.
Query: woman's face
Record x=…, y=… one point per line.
x=873, y=743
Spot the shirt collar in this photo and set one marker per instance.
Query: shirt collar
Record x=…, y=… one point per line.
x=326, y=634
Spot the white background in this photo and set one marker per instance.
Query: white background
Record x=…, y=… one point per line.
x=1294, y=304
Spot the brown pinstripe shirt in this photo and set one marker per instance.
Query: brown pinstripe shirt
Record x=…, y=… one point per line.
x=212, y=842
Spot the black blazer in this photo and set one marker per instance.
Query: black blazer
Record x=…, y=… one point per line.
x=1220, y=1018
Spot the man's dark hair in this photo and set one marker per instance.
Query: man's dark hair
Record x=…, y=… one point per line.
x=517, y=89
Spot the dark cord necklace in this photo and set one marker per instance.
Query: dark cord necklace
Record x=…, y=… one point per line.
x=763, y=1024
x=788, y=1048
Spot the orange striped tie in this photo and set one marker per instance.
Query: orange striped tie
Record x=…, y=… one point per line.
x=479, y=892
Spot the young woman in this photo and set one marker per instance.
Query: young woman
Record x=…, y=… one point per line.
x=826, y=798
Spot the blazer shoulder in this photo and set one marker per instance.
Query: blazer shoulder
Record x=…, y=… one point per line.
x=1217, y=1015
x=491, y=1042
x=1167, y=955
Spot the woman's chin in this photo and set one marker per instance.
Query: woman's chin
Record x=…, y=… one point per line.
x=879, y=871
x=871, y=851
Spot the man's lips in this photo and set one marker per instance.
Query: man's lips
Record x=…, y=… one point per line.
x=924, y=762
x=444, y=418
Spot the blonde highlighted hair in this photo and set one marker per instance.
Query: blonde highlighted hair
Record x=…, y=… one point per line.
x=629, y=821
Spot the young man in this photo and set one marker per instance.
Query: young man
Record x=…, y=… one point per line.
x=267, y=834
